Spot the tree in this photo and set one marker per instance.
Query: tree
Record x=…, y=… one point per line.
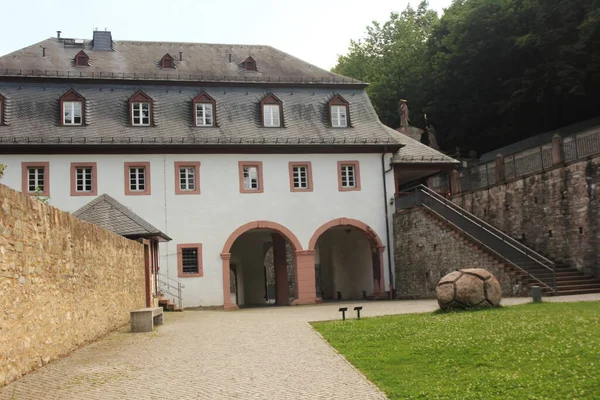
x=392, y=59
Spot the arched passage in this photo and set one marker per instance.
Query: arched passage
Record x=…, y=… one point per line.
x=279, y=236
x=348, y=261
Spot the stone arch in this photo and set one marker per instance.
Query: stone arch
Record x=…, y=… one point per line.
x=285, y=232
x=377, y=247
x=366, y=229
x=226, y=252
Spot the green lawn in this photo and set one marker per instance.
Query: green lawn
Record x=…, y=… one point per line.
x=532, y=351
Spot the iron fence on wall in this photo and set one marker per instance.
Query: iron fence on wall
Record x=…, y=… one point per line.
x=533, y=160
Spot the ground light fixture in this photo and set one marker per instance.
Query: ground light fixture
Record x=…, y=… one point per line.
x=357, y=309
x=343, y=311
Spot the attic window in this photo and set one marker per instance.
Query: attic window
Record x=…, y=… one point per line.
x=140, y=109
x=2, y=104
x=250, y=64
x=271, y=111
x=339, y=112
x=72, y=108
x=81, y=59
x=167, y=62
x=204, y=110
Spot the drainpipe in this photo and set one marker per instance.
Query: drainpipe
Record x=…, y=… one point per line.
x=387, y=222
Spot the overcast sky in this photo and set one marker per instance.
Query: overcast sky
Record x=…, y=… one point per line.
x=316, y=31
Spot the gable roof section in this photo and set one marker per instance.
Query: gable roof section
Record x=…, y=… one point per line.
x=415, y=152
x=108, y=213
x=138, y=60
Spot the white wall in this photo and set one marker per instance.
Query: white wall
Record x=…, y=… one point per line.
x=211, y=217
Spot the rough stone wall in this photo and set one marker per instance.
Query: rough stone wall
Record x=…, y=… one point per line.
x=63, y=282
x=426, y=249
x=555, y=213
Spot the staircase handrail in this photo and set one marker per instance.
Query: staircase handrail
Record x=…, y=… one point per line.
x=498, y=234
x=490, y=228
x=164, y=281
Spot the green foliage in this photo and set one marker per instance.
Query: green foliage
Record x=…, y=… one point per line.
x=39, y=195
x=533, y=351
x=2, y=168
x=488, y=72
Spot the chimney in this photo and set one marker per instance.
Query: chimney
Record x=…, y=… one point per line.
x=102, y=41
x=43, y=51
x=229, y=57
x=180, y=56
x=58, y=34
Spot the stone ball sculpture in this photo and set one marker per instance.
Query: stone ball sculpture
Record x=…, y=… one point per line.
x=468, y=288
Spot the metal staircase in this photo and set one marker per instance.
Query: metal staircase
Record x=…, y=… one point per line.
x=532, y=265
x=172, y=287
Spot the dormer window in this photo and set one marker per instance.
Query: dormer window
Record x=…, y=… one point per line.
x=72, y=109
x=81, y=59
x=140, y=109
x=204, y=110
x=2, y=110
x=250, y=64
x=271, y=113
x=167, y=62
x=339, y=110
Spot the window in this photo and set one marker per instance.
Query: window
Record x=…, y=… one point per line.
x=250, y=177
x=137, y=178
x=271, y=111
x=339, y=117
x=300, y=176
x=141, y=113
x=348, y=175
x=1, y=110
x=189, y=260
x=339, y=110
x=81, y=59
x=140, y=105
x=83, y=179
x=204, y=107
x=187, y=176
x=36, y=178
x=72, y=112
x=167, y=62
x=72, y=108
x=249, y=64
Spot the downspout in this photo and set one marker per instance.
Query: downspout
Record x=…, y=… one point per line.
x=387, y=222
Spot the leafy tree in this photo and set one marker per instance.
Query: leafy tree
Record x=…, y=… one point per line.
x=391, y=58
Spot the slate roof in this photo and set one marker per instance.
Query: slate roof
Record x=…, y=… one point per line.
x=141, y=60
x=541, y=139
x=415, y=152
x=108, y=213
x=32, y=116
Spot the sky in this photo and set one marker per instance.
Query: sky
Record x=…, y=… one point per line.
x=317, y=31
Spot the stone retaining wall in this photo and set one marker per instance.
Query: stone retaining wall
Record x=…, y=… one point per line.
x=63, y=282
x=426, y=249
x=554, y=212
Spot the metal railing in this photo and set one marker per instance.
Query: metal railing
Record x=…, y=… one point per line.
x=508, y=249
x=172, y=287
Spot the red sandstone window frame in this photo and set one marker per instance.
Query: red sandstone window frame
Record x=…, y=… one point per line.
x=180, y=273
x=309, y=180
x=187, y=164
x=71, y=97
x=167, y=62
x=204, y=98
x=147, y=187
x=25, y=177
x=94, y=178
x=259, y=174
x=356, y=166
x=338, y=100
x=82, y=59
x=141, y=97
x=271, y=100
